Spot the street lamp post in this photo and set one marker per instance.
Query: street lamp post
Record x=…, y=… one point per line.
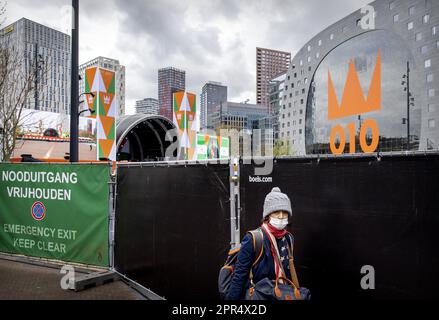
x=408, y=106
x=74, y=85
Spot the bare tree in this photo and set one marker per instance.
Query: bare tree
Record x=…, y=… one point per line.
x=18, y=75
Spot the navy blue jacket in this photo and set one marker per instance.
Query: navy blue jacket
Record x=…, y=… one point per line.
x=264, y=268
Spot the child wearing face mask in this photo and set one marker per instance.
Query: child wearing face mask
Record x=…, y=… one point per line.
x=273, y=261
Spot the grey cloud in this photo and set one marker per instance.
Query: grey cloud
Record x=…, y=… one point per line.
x=304, y=19
x=164, y=25
x=158, y=33
x=229, y=9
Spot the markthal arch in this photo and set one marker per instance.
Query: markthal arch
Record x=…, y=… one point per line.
x=144, y=138
x=351, y=74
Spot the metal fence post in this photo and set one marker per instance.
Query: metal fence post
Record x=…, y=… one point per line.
x=111, y=216
x=235, y=203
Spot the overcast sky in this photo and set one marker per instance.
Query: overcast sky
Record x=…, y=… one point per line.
x=212, y=40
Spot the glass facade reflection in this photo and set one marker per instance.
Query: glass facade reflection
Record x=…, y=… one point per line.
x=363, y=49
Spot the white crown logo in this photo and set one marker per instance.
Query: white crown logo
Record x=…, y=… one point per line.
x=106, y=99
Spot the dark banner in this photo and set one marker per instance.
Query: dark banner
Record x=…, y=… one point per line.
x=173, y=225
x=354, y=212
x=173, y=228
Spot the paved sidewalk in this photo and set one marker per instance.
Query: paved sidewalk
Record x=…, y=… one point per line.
x=22, y=281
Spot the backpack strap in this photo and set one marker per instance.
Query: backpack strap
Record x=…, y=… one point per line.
x=293, y=272
x=258, y=248
x=258, y=244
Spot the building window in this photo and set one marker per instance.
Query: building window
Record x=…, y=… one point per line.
x=301, y=62
x=301, y=101
x=430, y=77
x=309, y=59
x=427, y=63
x=418, y=36
x=424, y=49
x=309, y=48
x=300, y=121
x=300, y=131
x=292, y=85
x=358, y=22
x=301, y=111
x=434, y=30
x=320, y=43
x=437, y=44
x=426, y=18
x=410, y=25
x=430, y=108
x=411, y=10
x=395, y=18
x=431, y=123
x=303, y=91
x=317, y=55
x=331, y=37
x=306, y=80
x=431, y=93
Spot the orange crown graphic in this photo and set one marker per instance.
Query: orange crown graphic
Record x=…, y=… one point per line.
x=353, y=101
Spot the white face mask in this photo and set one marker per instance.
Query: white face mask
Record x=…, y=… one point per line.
x=279, y=224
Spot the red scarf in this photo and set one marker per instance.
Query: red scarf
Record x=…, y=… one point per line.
x=278, y=234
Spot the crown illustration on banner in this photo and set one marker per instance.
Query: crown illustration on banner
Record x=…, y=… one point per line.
x=353, y=101
x=106, y=99
x=90, y=99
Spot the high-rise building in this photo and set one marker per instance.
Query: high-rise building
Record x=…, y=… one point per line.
x=213, y=93
x=251, y=119
x=148, y=106
x=49, y=50
x=112, y=65
x=276, y=89
x=269, y=64
x=240, y=116
x=170, y=80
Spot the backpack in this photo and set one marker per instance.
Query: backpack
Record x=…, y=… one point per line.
x=227, y=271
